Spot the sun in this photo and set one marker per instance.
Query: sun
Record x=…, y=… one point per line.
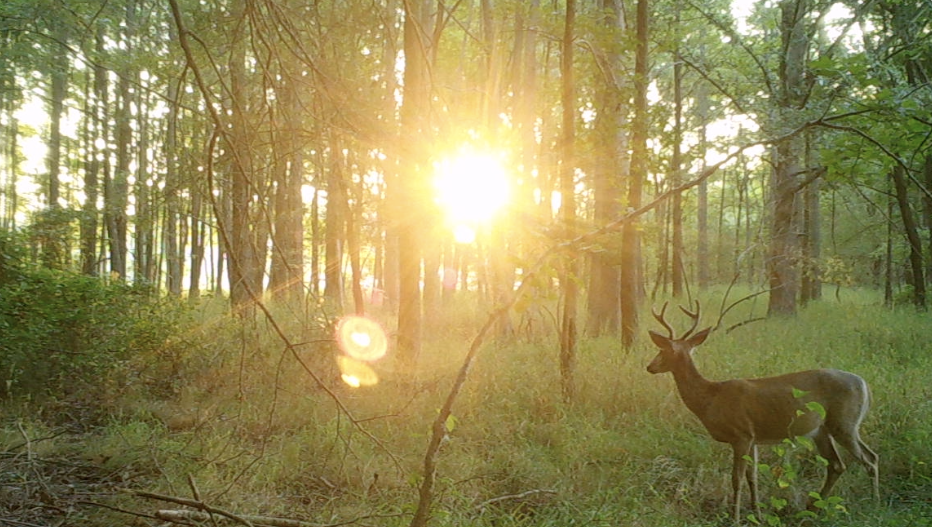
x=471, y=188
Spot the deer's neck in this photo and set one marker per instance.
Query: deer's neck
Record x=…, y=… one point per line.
x=695, y=390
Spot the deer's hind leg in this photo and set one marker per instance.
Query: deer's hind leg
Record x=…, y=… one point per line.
x=836, y=467
x=852, y=442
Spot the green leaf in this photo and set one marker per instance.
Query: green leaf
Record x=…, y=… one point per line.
x=813, y=406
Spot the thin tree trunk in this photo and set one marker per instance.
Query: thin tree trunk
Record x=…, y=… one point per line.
x=927, y=213
x=174, y=257
x=315, y=242
x=912, y=236
x=96, y=132
x=57, y=94
x=702, y=193
x=676, y=168
x=336, y=230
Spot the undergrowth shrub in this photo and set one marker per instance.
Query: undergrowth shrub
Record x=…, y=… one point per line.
x=73, y=338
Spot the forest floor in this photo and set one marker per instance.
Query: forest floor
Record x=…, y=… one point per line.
x=263, y=444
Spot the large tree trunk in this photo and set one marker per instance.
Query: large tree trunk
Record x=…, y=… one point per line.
x=631, y=287
x=603, y=306
x=408, y=210
x=782, y=264
x=570, y=271
x=287, y=269
x=241, y=253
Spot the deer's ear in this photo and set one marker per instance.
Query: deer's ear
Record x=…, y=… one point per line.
x=699, y=338
x=659, y=340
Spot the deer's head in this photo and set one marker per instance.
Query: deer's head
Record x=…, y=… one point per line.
x=674, y=350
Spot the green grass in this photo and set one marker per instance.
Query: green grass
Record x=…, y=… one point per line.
x=626, y=452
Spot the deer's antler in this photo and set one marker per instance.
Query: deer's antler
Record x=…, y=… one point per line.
x=660, y=318
x=693, y=315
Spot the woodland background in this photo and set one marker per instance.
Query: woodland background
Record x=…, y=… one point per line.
x=194, y=194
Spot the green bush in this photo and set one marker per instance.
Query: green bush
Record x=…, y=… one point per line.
x=71, y=337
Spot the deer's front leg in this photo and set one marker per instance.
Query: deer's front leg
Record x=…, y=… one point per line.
x=738, y=470
x=751, y=475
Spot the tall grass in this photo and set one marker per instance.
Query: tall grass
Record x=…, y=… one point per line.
x=259, y=437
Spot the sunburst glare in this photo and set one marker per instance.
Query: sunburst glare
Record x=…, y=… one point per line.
x=471, y=187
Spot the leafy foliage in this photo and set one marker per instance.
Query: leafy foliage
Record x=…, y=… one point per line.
x=72, y=337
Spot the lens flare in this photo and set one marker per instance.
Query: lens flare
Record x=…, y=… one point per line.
x=356, y=373
x=362, y=338
x=472, y=186
x=464, y=234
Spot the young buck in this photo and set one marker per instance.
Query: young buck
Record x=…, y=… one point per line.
x=747, y=412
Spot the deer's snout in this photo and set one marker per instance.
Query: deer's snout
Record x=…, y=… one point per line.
x=656, y=365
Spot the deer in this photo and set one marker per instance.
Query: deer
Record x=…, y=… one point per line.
x=746, y=413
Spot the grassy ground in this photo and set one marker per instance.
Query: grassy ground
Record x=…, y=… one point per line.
x=248, y=428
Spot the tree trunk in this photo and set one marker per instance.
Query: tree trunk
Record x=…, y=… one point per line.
x=927, y=212
x=198, y=242
x=912, y=236
x=173, y=255
x=315, y=242
x=603, y=306
x=782, y=264
x=57, y=93
x=702, y=197
x=96, y=132
x=408, y=208
x=287, y=270
x=631, y=286
x=144, y=265
x=241, y=253
x=812, y=243
x=677, y=265
x=334, y=235
x=568, y=210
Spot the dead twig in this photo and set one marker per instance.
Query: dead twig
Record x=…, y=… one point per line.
x=194, y=504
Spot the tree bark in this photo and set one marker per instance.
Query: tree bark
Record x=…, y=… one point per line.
x=241, y=254
x=603, y=307
x=408, y=209
x=784, y=252
x=96, y=130
x=568, y=209
x=912, y=236
x=336, y=229
x=702, y=192
x=676, y=168
x=631, y=286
